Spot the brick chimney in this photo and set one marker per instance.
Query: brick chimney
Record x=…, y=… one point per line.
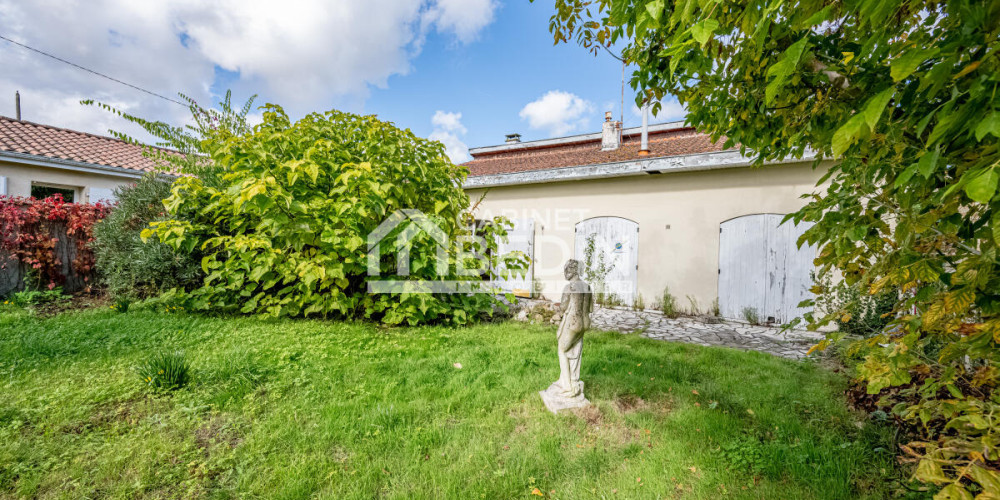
x=611, y=136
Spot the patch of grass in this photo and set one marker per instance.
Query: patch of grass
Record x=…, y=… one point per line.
x=305, y=409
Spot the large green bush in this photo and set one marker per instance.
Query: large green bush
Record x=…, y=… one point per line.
x=285, y=232
x=130, y=266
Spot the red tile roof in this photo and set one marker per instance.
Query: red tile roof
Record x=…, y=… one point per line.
x=64, y=144
x=587, y=151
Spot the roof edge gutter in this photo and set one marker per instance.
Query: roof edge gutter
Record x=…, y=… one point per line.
x=662, y=165
x=78, y=166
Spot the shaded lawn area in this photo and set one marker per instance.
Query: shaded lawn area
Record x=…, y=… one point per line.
x=300, y=409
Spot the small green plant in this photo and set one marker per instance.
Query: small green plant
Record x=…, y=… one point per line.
x=166, y=370
x=29, y=298
x=695, y=309
x=715, y=307
x=122, y=303
x=640, y=303
x=668, y=304
x=751, y=316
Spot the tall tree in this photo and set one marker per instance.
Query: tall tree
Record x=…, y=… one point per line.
x=903, y=95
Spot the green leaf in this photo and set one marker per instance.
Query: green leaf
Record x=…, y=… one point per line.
x=905, y=176
x=703, y=31
x=781, y=70
x=847, y=134
x=876, y=105
x=953, y=491
x=655, y=9
x=996, y=228
x=988, y=479
x=982, y=187
x=928, y=161
x=929, y=471
x=905, y=64
x=989, y=125
x=818, y=17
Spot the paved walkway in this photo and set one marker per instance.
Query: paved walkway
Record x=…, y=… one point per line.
x=707, y=331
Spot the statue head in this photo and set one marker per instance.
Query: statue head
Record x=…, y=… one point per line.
x=572, y=269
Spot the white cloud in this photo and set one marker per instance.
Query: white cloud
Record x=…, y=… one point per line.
x=452, y=122
x=464, y=18
x=304, y=54
x=557, y=112
x=447, y=129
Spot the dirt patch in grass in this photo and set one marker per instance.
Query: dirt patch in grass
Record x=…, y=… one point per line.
x=590, y=414
x=77, y=302
x=628, y=403
x=107, y=415
x=216, y=432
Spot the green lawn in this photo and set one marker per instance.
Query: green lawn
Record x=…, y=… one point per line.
x=304, y=409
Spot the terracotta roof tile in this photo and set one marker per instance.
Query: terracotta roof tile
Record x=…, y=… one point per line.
x=59, y=143
x=674, y=142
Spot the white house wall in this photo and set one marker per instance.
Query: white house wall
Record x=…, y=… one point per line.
x=20, y=177
x=678, y=213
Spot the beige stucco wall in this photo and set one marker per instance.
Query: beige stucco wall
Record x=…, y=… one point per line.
x=684, y=256
x=21, y=176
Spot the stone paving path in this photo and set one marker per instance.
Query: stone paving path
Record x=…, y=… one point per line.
x=707, y=331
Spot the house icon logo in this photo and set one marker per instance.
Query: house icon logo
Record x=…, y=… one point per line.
x=415, y=222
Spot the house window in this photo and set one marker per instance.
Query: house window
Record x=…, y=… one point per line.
x=39, y=191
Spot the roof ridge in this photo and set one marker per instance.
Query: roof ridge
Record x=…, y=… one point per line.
x=86, y=134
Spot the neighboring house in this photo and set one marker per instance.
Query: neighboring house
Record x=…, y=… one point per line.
x=40, y=160
x=684, y=214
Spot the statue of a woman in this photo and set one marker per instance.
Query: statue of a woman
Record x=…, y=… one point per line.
x=576, y=305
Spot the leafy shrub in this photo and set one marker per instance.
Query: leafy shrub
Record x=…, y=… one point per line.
x=668, y=304
x=30, y=230
x=29, y=298
x=856, y=312
x=285, y=234
x=165, y=371
x=751, y=316
x=130, y=266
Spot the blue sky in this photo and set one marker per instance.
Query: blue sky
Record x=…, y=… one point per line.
x=465, y=72
x=491, y=79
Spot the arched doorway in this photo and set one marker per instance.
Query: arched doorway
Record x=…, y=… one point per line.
x=609, y=246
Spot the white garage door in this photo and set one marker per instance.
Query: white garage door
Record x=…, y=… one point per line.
x=615, y=251
x=761, y=268
x=520, y=238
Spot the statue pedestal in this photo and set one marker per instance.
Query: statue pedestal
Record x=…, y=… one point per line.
x=555, y=401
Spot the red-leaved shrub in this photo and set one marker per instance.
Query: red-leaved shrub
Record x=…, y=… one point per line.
x=30, y=230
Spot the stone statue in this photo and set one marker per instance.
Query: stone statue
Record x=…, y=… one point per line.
x=577, y=303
